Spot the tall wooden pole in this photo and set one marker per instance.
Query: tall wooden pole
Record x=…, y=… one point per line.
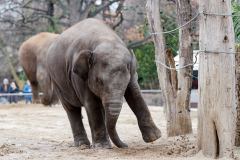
x=237, y=80
x=184, y=13
x=216, y=80
x=178, y=117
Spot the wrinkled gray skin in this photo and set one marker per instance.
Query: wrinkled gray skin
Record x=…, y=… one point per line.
x=91, y=67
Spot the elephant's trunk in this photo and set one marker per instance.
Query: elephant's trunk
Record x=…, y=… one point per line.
x=112, y=110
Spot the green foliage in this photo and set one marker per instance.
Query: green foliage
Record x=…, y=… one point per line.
x=55, y=27
x=172, y=38
x=147, y=70
x=145, y=54
x=236, y=21
x=93, y=9
x=22, y=76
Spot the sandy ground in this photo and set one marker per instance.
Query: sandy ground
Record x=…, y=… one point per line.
x=38, y=132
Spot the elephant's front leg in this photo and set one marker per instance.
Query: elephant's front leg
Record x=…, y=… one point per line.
x=78, y=130
x=94, y=110
x=136, y=102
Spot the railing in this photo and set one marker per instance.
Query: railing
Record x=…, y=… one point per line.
x=151, y=97
x=19, y=98
x=151, y=91
x=18, y=94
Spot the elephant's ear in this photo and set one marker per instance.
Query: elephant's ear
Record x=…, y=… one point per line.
x=134, y=64
x=83, y=63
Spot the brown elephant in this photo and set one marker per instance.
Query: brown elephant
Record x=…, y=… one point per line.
x=32, y=56
x=91, y=66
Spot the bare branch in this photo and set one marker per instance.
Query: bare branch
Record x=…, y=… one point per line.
x=99, y=9
x=36, y=9
x=120, y=21
x=130, y=45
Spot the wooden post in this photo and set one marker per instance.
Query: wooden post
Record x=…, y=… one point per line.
x=178, y=119
x=237, y=80
x=184, y=13
x=216, y=81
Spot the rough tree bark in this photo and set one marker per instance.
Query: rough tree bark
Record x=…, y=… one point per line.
x=216, y=110
x=184, y=75
x=178, y=116
x=237, y=80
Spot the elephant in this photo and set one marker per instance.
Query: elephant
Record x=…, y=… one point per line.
x=32, y=55
x=91, y=67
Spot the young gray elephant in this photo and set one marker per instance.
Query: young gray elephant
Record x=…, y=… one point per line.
x=91, y=66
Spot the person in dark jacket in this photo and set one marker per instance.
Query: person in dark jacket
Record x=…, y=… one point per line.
x=13, y=89
x=4, y=89
x=28, y=89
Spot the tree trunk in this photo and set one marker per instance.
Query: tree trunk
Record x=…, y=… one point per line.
x=75, y=12
x=50, y=12
x=19, y=82
x=216, y=81
x=237, y=79
x=185, y=57
x=178, y=116
x=79, y=10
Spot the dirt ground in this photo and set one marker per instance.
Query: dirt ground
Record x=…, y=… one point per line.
x=38, y=132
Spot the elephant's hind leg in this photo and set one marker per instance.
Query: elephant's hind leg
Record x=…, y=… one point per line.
x=31, y=75
x=45, y=84
x=75, y=118
x=28, y=61
x=78, y=130
x=35, y=92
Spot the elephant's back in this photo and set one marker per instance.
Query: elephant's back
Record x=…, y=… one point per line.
x=37, y=45
x=86, y=34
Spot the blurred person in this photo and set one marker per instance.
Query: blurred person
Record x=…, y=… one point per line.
x=28, y=89
x=13, y=89
x=4, y=88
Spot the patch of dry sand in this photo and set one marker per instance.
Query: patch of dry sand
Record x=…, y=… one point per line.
x=38, y=132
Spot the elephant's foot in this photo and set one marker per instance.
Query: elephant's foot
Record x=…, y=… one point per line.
x=106, y=144
x=150, y=133
x=36, y=101
x=80, y=143
x=102, y=145
x=101, y=140
x=46, y=103
x=81, y=140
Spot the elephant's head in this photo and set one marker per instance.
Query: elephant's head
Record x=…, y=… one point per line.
x=108, y=71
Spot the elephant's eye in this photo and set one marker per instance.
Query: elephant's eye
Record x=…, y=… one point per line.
x=100, y=82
